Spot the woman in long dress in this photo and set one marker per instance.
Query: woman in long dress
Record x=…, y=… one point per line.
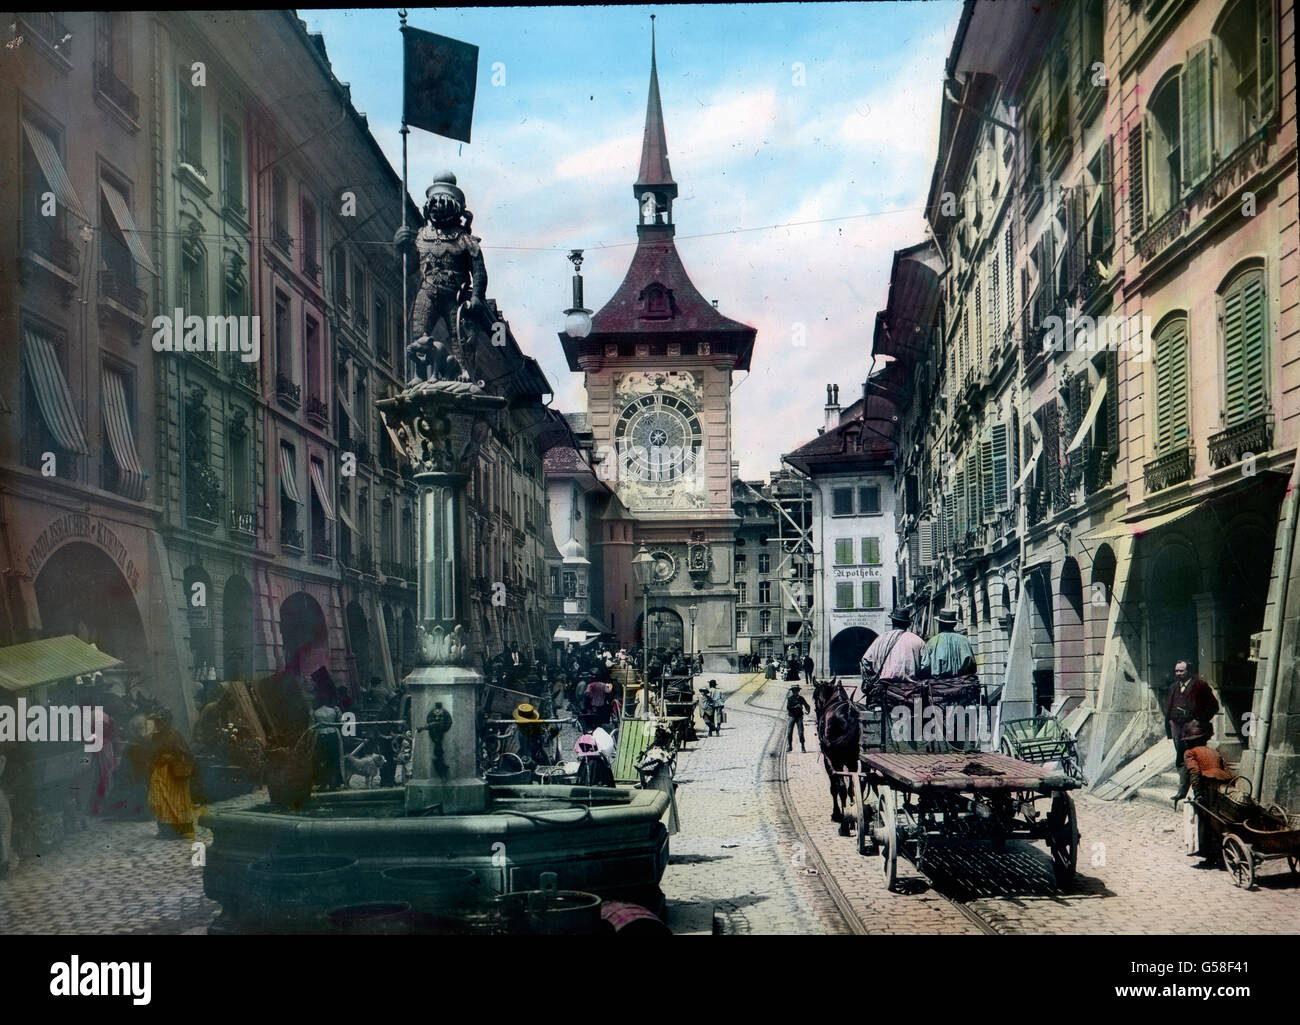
x=170, y=771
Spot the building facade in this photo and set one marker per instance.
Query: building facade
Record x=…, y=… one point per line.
x=850, y=470
x=1110, y=418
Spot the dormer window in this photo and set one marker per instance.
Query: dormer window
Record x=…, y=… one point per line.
x=657, y=302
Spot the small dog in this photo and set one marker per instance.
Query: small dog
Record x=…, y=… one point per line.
x=367, y=767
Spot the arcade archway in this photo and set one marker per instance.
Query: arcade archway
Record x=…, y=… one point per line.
x=666, y=631
x=303, y=634
x=80, y=591
x=847, y=648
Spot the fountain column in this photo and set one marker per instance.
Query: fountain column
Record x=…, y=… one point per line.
x=438, y=426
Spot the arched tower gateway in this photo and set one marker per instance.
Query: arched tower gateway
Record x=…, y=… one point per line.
x=658, y=366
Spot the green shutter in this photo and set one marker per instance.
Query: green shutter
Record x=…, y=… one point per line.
x=1234, y=362
x=1171, y=387
x=844, y=551
x=844, y=596
x=1136, y=181
x=871, y=594
x=1245, y=320
x=1267, y=73
x=871, y=551
x=1000, y=466
x=988, y=477
x=1112, y=403
x=1194, y=102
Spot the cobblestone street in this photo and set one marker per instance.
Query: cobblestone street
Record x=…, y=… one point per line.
x=757, y=853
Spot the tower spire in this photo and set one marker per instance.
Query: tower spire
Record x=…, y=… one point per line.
x=654, y=175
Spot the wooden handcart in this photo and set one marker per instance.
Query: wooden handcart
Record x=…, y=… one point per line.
x=1246, y=834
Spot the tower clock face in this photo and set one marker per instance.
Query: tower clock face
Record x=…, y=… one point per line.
x=661, y=436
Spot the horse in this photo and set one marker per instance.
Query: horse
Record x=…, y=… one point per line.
x=838, y=736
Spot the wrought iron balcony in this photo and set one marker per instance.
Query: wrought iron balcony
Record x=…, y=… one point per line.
x=40, y=240
x=1099, y=465
x=117, y=91
x=320, y=544
x=1250, y=436
x=286, y=391
x=318, y=412
x=245, y=374
x=117, y=286
x=393, y=568
x=280, y=236
x=1167, y=229
x=51, y=29
x=1170, y=469
x=203, y=492
x=289, y=537
x=243, y=519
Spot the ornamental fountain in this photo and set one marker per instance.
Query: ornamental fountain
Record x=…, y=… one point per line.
x=278, y=870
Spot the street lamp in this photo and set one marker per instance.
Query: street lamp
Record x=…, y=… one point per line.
x=642, y=568
x=692, y=611
x=577, y=320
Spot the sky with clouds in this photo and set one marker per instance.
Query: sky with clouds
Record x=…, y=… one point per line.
x=557, y=141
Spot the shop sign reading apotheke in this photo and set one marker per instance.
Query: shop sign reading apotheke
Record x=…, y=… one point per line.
x=854, y=572
x=76, y=525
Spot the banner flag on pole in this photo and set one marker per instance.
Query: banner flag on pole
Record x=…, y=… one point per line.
x=440, y=77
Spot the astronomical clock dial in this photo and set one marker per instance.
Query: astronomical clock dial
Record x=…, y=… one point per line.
x=665, y=567
x=661, y=436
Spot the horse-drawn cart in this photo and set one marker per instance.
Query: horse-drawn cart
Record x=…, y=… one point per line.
x=914, y=792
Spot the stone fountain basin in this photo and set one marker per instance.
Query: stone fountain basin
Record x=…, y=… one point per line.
x=606, y=841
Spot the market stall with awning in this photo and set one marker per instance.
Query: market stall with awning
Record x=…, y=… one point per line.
x=24, y=666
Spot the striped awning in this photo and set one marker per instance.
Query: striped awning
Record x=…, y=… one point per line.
x=52, y=393
x=126, y=224
x=1034, y=456
x=1098, y=397
x=322, y=492
x=1142, y=526
x=117, y=425
x=52, y=167
x=289, y=475
x=347, y=520
x=23, y=666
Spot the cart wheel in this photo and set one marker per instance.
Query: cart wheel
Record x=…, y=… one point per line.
x=1063, y=839
x=1240, y=861
x=889, y=844
x=1006, y=748
x=866, y=841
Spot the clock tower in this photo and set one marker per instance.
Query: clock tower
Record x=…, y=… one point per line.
x=658, y=366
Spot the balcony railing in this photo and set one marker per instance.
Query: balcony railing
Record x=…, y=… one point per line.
x=52, y=247
x=320, y=544
x=1170, y=469
x=289, y=537
x=117, y=286
x=1167, y=229
x=280, y=236
x=113, y=88
x=318, y=412
x=393, y=568
x=1250, y=436
x=287, y=391
x=245, y=374
x=243, y=520
x=51, y=28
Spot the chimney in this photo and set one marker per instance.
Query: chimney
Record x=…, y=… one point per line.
x=832, y=406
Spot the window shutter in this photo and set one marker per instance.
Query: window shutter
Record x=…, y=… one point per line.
x=995, y=306
x=1076, y=220
x=1254, y=322
x=1234, y=365
x=1011, y=281
x=959, y=515
x=1026, y=314
x=926, y=532
x=1267, y=66
x=1194, y=102
x=972, y=488
x=1105, y=211
x=1112, y=403
x=977, y=356
x=1171, y=387
x=1051, y=451
x=987, y=477
x=1136, y=181
x=1047, y=269
x=1000, y=464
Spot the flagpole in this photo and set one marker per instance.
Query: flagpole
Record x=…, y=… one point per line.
x=405, y=131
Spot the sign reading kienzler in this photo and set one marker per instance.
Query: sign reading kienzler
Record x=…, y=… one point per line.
x=77, y=525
